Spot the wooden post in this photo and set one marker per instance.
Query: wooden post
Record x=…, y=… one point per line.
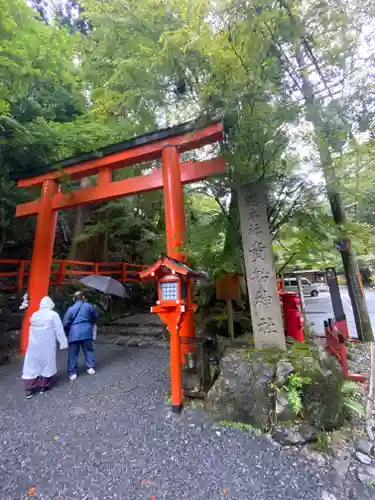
x=173, y=203
x=21, y=276
x=302, y=299
x=228, y=289
x=40, y=270
x=176, y=382
x=176, y=228
x=61, y=273
x=104, y=176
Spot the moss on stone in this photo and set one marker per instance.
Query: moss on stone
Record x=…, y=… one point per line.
x=271, y=356
x=322, y=397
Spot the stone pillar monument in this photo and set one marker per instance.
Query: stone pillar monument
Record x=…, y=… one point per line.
x=265, y=305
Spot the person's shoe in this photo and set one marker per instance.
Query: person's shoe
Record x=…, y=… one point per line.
x=72, y=377
x=43, y=390
x=91, y=371
x=30, y=394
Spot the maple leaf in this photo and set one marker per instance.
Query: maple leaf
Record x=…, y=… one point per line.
x=31, y=492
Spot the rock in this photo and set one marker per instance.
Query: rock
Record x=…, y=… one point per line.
x=323, y=398
x=293, y=436
x=224, y=343
x=363, y=458
x=321, y=353
x=191, y=381
x=366, y=474
x=242, y=391
x=314, y=455
x=308, y=432
x=283, y=370
x=218, y=325
x=288, y=436
x=364, y=446
x=283, y=409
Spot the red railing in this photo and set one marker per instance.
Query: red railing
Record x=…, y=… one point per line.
x=14, y=273
x=335, y=345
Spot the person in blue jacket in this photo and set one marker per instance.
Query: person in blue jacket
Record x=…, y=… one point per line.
x=80, y=327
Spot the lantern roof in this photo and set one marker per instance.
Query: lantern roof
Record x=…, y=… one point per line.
x=167, y=265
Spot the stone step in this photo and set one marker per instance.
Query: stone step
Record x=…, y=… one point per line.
x=140, y=319
x=135, y=331
x=151, y=324
x=132, y=341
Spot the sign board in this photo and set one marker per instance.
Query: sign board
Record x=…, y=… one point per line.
x=334, y=290
x=342, y=246
x=265, y=305
x=228, y=287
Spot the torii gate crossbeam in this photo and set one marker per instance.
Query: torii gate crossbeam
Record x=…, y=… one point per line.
x=166, y=144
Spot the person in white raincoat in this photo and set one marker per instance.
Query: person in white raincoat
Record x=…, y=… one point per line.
x=39, y=366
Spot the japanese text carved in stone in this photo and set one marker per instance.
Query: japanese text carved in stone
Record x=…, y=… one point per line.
x=265, y=307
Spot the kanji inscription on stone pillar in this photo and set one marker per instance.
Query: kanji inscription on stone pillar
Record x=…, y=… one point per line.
x=265, y=306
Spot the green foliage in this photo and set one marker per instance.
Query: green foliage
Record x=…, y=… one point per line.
x=271, y=356
x=322, y=442
x=195, y=404
x=294, y=389
x=123, y=68
x=168, y=398
x=353, y=407
x=240, y=426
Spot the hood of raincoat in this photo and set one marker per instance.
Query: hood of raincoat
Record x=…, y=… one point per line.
x=47, y=303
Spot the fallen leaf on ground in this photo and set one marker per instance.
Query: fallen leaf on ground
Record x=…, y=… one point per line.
x=147, y=482
x=31, y=492
x=153, y=497
x=225, y=492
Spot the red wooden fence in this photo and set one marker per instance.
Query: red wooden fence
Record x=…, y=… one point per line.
x=14, y=273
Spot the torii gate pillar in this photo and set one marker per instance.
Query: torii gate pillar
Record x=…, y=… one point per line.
x=42, y=256
x=175, y=223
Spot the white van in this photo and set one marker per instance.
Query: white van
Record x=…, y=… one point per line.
x=310, y=289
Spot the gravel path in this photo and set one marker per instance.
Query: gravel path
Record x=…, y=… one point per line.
x=111, y=436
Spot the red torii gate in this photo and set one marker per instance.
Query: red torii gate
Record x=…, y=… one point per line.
x=166, y=144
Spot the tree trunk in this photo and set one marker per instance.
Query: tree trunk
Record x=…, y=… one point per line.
x=349, y=260
x=82, y=214
x=233, y=234
x=233, y=242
